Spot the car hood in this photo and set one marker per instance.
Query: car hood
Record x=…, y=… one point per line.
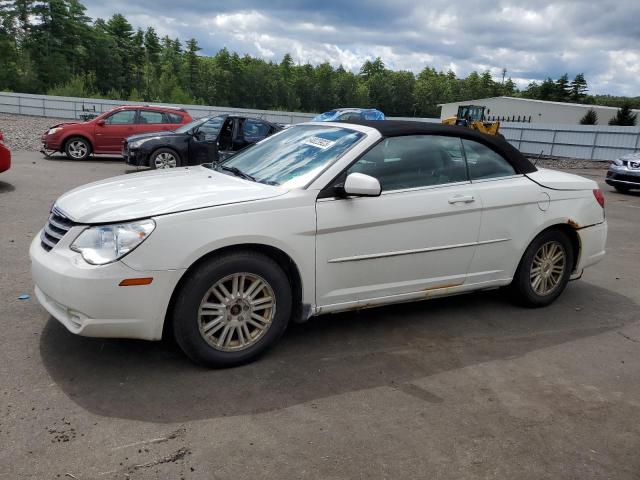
x=161, y=133
x=64, y=124
x=158, y=192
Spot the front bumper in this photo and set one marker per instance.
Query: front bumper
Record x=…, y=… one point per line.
x=87, y=299
x=136, y=158
x=51, y=142
x=623, y=177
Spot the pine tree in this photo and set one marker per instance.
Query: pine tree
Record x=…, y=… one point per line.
x=547, y=90
x=578, y=88
x=562, y=89
x=590, y=118
x=624, y=117
x=192, y=66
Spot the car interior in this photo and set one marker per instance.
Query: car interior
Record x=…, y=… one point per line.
x=410, y=164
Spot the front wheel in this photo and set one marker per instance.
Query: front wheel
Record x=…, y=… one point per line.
x=164, y=158
x=77, y=148
x=544, y=269
x=621, y=189
x=231, y=309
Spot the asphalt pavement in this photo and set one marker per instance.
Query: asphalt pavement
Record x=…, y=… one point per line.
x=468, y=387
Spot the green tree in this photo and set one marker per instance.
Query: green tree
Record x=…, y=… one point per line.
x=589, y=118
x=548, y=90
x=578, y=88
x=192, y=67
x=562, y=91
x=121, y=33
x=509, y=89
x=624, y=117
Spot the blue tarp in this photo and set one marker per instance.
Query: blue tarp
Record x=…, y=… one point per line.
x=349, y=114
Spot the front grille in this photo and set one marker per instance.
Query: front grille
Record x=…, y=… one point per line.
x=56, y=227
x=623, y=177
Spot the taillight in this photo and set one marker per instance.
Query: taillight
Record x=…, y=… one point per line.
x=599, y=196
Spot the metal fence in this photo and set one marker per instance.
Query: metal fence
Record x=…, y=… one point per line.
x=74, y=108
x=589, y=142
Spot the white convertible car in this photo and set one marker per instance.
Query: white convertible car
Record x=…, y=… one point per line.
x=321, y=217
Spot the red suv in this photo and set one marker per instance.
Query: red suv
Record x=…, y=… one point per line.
x=106, y=133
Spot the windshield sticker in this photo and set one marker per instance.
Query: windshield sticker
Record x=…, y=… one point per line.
x=321, y=143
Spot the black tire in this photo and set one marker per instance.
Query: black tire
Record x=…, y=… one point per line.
x=621, y=189
x=77, y=148
x=168, y=152
x=186, y=327
x=522, y=288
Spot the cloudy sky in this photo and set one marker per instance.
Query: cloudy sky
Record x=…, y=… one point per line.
x=531, y=39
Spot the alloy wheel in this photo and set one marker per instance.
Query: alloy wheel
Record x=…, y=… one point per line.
x=547, y=268
x=165, y=160
x=78, y=149
x=236, y=312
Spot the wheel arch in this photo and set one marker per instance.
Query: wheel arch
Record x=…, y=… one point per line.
x=71, y=136
x=570, y=230
x=153, y=150
x=283, y=259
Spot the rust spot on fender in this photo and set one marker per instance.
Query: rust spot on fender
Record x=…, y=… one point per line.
x=573, y=224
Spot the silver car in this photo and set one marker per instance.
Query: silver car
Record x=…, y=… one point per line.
x=624, y=173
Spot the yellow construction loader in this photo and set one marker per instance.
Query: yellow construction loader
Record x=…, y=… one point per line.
x=472, y=116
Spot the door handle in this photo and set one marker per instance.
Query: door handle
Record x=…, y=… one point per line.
x=462, y=199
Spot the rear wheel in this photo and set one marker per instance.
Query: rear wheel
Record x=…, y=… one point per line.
x=232, y=309
x=544, y=269
x=77, y=148
x=164, y=158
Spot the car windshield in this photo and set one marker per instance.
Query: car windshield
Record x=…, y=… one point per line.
x=191, y=125
x=293, y=157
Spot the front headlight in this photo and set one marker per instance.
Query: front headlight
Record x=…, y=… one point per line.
x=54, y=130
x=137, y=143
x=618, y=162
x=107, y=243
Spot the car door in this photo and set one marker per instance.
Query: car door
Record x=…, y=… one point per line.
x=419, y=234
x=512, y=208
x=250, y=131
x=203, y=146
x=116, y=127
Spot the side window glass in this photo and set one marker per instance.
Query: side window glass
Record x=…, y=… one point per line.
x=123, y=117
x=173, y=118
x=484, y=162
x=208, y=131
x=350, y=116
x=254, y=131
x=148, y=116
x=414, y=161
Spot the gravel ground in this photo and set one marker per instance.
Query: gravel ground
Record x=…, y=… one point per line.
x=22, y=132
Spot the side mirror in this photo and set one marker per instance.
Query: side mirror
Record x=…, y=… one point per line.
x=361, y=185
x=100, y=123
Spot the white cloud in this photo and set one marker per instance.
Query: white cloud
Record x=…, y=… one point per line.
x=533, y=39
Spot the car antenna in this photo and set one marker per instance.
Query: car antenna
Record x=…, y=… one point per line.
x=538, y=158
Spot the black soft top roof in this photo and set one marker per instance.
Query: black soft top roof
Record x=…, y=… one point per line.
x=400, y=128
